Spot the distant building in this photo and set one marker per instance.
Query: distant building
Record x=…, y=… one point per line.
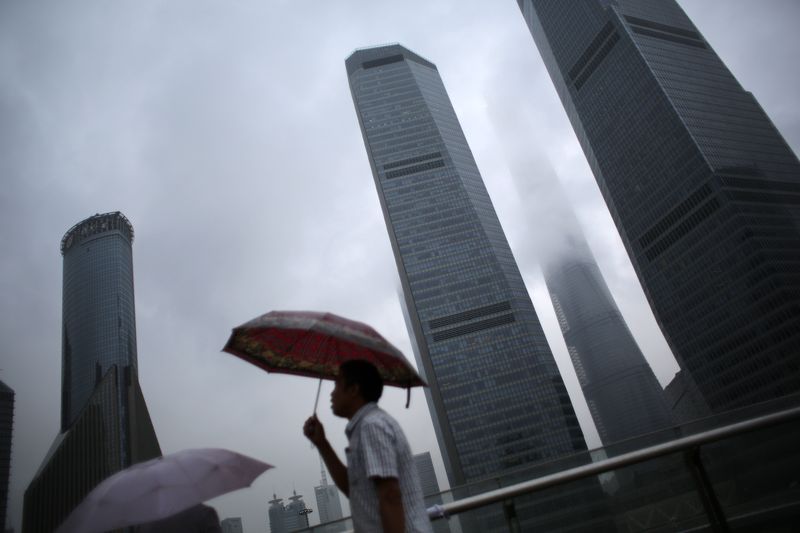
x=427, y=475
x=430, y=487
x=699, y=182
x=6, y=430
x=296, y=513
x=105, y=424
x=328, y=504
x=277, y=515
x=232, y=525
x=287, y=518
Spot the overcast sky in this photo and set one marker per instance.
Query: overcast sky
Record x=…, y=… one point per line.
x=225, y=132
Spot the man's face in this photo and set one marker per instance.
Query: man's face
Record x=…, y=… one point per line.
x=343, y=397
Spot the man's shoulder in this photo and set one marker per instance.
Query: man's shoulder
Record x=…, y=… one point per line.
x=379, y=416
x=378, y=420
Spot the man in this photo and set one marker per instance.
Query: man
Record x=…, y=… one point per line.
x=380, y=479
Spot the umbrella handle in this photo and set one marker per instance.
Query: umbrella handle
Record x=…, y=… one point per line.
x=316, y=401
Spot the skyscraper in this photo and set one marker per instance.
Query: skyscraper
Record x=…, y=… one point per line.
x=702, y=187
x=621, y=390
x=291, y=517
x=6, y=431
x=296, y=513
x=98, y=312
x=232, y=525
x=430, y=487
x=276, y=515
x=496, y=397
x=105, y=425
x=427, y=475
x=328, y=503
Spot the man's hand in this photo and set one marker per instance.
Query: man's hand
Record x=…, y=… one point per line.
x=316, y=434
x=314, y=430
x=390, y=504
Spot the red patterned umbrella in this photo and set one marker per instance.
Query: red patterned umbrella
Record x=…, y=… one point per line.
x=313, y=344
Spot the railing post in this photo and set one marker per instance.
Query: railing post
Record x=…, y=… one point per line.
x=510, y=512
x=716, y=517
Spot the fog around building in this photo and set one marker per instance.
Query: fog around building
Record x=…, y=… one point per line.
x=225, y=132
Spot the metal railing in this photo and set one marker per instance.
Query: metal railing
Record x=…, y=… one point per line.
x=684, y=444
x=754, y=464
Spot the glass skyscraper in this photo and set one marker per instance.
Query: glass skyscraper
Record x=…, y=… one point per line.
x=290, y=517
x=430, y=488
x=99, y=319
x=621, y=390
x=329, y=505
x=702, y=187
x=105, y=424
x=496, y=396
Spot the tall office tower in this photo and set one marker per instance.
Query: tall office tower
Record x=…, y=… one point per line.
x=296, y=513
x=496, y=397
x=702, y=187
x=6, y=430
x=105, y=425
x=290, y=517
x=427, y=475
x=328, y=503
x=99, y=319
x=430, y=487
x=232, y=525
x=277, y=515
x=621, y=390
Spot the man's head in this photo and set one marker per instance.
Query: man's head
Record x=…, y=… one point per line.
x=358, y=383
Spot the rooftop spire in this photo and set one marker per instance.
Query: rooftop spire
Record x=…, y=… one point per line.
x=324, y=478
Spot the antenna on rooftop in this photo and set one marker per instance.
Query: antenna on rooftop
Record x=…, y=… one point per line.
x=324, y=478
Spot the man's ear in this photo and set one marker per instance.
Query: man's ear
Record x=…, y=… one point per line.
x=353, y=389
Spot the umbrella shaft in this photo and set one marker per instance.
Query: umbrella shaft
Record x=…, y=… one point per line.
x=316, y=401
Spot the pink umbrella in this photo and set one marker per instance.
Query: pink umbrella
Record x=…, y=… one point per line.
x=160, y=488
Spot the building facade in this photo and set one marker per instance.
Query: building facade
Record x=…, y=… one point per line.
x=685, y=401
x=624, y=396
x=98, y=313
x=276, y=515
x=702, y=187
x=329, y=505
x=430, y=488
x=6, y=432
x=105, y=424
x=427, y=475
x=232, y=525
x=496, y=397
x=284, y=518
x=296, y=513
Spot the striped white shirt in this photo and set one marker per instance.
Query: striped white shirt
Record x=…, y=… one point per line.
x=378, y=448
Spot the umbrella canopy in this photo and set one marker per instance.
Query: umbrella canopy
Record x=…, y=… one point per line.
x=314, y=344
x=160, y=488
x=197, y=519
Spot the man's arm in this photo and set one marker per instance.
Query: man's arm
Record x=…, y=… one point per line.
x=390, y=504
x=316, y=434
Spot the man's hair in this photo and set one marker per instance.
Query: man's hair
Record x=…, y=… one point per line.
x=365, y=375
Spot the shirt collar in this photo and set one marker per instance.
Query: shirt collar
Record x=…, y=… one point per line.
x=361, y=413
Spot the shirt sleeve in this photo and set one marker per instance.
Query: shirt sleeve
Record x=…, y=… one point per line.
x=379, y=450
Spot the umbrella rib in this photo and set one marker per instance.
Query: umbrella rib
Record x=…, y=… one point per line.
x=298, y=339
